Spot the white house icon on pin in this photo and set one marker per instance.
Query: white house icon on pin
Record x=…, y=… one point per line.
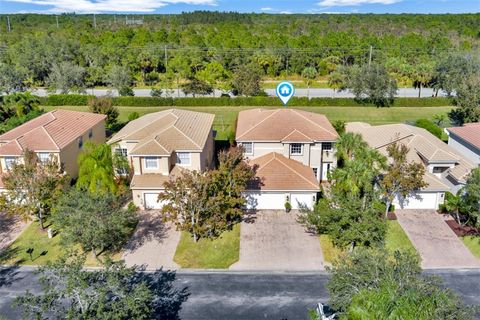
x=285, y=90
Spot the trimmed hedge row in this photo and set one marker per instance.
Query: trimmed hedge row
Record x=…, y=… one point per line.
x=81, y=100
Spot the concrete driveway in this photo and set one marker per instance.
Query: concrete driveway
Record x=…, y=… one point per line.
x=436, y=243
x=274, y=240
x=153, y=243
x=10, y=229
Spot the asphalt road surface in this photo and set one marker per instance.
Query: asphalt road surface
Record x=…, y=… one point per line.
x=240, y=295
x=313, y=93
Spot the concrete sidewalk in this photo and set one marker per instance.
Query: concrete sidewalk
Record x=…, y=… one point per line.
x=436, y=243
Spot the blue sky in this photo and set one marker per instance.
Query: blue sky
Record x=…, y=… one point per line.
x=268, y=6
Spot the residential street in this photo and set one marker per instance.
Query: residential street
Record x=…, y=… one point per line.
x=238, y=295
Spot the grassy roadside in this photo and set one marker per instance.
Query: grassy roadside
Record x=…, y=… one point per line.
x=219, y=253
x=225, y=116
x=473, y=244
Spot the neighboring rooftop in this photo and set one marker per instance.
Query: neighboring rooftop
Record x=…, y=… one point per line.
x=469, y=132
x=276, y=172
x=163, y=132
x=51, y=131
x=289, y=125
x=424, y=146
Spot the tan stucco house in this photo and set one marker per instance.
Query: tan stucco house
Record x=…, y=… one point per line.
x=293, y=151
x=159, y=145
x=59, y=133
x=446, y=169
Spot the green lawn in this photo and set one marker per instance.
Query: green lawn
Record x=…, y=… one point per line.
x=209, y=254
x=44, y=249
x=472, y=243
x=225, y=116
x=396, y=238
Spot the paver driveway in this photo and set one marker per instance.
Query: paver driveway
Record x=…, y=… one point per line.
x=274, y=240
x=153, y=243
x=436, y=243
x=10, y=229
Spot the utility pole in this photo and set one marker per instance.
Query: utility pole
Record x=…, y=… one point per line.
x=286, y=68
x=115, y=18
x=56, y=19
x=8, y=24
x=94, y=21
x=370, y=56
x=166, y=58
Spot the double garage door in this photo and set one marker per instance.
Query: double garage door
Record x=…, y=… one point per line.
x=421, y=200
x=276, y=200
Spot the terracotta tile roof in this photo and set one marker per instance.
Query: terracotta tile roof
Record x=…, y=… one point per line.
x=283, y=125
x=422, y=144
x=469, y=132
x=167, y=131
x=49, y=132
x=153, y=180
x=277, y=172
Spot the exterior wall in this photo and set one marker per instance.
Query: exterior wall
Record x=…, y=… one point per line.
x=69, y=154
x=465, y=149
x=163, y=166
x=206, y=156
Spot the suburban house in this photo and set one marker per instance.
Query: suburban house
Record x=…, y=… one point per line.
x=59, y=133
x=446, y=169
x=159, y=145
x=466, y=140
x=292, y=151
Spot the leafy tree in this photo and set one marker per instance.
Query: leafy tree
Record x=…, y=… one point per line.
x=96, y=222
x=104, y=105
x=371, y=83
x=470, y=195
x=430, y=127
x=371, y=283
x=452, y=70
x=32, y=186
x=421, y=75
x=309, y=74
x=468, y=101
x=336, y=81
x=215, y=75
x=113, y=292
x=119, y=77
x=14, y=121
x=246, y=80
x=20, y=103
x=66, y=77
x=195, y=86
x=401, y=178
x=96, y=169
x=12, y=79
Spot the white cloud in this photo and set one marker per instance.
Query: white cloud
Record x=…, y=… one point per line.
x=97, y=6
x=266, y=9
x=343, y=3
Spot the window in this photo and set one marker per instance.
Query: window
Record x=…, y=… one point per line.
x=327, y=146
x=183, y=158
x=9, y=161
x=121, y=151
x=151, y=162
x=296, y=148
x=248, y=146
x=80, y=142
x=315, y=172
x=439, y=169
x=90, y=134
x=43, y=156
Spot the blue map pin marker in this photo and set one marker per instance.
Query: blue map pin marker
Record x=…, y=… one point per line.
x=285, y=91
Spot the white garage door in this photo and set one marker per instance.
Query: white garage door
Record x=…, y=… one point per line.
x=422, y=200
x=151, y=201
x=301, y=199
x=262, y=201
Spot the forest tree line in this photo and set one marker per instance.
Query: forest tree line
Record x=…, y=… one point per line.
x=210, y=47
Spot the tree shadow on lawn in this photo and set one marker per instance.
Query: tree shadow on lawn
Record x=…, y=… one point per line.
x=150, y=227
x=168, y=298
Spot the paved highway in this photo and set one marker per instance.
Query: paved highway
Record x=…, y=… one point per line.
x=314, y=93
x=240, y=295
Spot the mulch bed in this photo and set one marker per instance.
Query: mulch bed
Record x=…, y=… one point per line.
x=391, y=216
x=462, y=231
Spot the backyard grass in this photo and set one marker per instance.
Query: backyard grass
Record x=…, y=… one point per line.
x=225, y=116
x=397, y=239
x=472, y=243
x=218, y=253
x=44, y=249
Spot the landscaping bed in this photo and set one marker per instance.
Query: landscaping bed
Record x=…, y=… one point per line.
x=462, y=231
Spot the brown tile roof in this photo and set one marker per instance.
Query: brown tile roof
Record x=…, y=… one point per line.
x=277, y=172
x=153, y=180
x=49, y=132
x=422, y=144
x=167, y=131
x=469, y=132
x=283, y=125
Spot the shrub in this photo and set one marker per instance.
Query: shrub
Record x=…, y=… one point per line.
x=430, y=127
x=104, y=105
x=65, y=100
x=134, y=115
x=126, y=91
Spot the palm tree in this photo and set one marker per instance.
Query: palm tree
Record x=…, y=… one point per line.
x=348, y=144
x=453, y=205
x=309, y=74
